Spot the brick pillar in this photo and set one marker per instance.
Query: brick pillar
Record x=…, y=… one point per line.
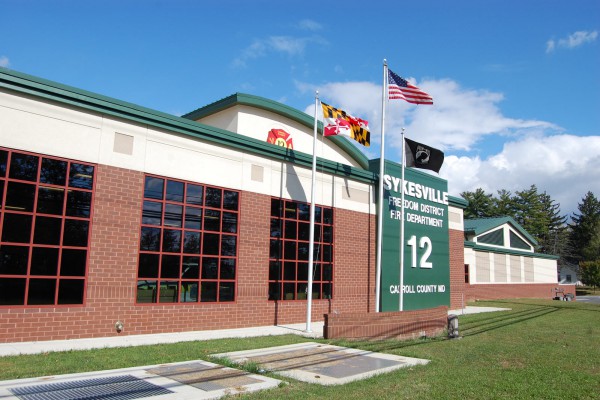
x=354, y=275
x=457, y=269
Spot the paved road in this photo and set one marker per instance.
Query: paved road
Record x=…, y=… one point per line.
x=589, y=299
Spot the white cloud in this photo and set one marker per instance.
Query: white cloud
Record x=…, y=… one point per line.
x=292, y=46
x=576, y=39
x=361, y=99
x=561, y=165
x=255, y=50
x=459, y=120
x=286, y=44
x=462, y=173
x=466, y=124
x=4, y=61
x=310, y=25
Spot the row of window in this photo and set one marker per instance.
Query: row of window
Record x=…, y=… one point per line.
x=189, y=242
x=188, y=238
x=45, y=214
x=289, y=251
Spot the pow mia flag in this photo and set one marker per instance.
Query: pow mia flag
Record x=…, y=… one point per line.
x=421, y=156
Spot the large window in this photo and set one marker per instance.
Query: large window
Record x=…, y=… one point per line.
x=188, y=243
x=288, y=254
x=45, y=217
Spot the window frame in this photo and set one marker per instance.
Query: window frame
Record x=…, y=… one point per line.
x=170, y=256
x=41, y=245
x=290, y=216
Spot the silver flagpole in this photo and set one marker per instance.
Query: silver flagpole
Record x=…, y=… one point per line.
x=402, y=231
x=380, y=195
x=311, y=237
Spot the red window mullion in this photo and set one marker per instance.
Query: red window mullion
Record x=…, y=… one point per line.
x=182, y=230
x=286, y=238
x=32, y=233
x=34, y=220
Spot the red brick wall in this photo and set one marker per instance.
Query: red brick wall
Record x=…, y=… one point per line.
x=253, y=307
x=112, y=271
x=111, y=282
x=389, y=325
x=457, y=268
x=514, y=290
x=354, y=252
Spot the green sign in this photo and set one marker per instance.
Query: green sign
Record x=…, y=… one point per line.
x=426, y=278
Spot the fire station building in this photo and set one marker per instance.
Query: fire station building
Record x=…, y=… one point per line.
x=110, y=211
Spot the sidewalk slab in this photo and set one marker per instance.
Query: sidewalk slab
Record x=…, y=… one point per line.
x=321, y=363
x=18, y=348
x=191, y=380
x=476, y=310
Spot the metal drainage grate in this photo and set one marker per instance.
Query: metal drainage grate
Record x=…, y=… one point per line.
x=122, y=387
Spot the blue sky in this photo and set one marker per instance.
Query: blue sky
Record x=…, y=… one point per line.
x=515, y=84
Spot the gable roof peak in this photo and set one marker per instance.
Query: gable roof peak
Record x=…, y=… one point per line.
x=477, y=226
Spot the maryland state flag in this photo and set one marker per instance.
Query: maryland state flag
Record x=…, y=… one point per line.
x=337, y=122
x=421, y=156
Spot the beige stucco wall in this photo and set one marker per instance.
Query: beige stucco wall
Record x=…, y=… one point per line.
x=488, y=267
x=257, y=123
x=31, y=124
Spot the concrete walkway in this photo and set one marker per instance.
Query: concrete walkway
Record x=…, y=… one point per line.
x=475, y=310
x=589, y=299
x=13, y=349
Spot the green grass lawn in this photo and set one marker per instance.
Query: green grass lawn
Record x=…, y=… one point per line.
x=541, y=349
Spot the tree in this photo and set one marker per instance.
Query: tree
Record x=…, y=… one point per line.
x=480, y=204
x=529, y=211
x=564, y=249
x=504, y=204
x=540, y=215
x=585, y=229
x=536, y=212
x=590, y=272
x=553, y=238
x=592, y=252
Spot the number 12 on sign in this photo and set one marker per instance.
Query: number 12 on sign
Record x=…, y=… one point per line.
x=424, y=243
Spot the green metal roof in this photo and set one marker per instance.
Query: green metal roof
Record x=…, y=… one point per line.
x=491, y=249
x=478, y=226
x=64, y=94
x=458, y=202
x=283, y=110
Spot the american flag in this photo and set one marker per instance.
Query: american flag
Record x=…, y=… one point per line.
x=399, y=88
